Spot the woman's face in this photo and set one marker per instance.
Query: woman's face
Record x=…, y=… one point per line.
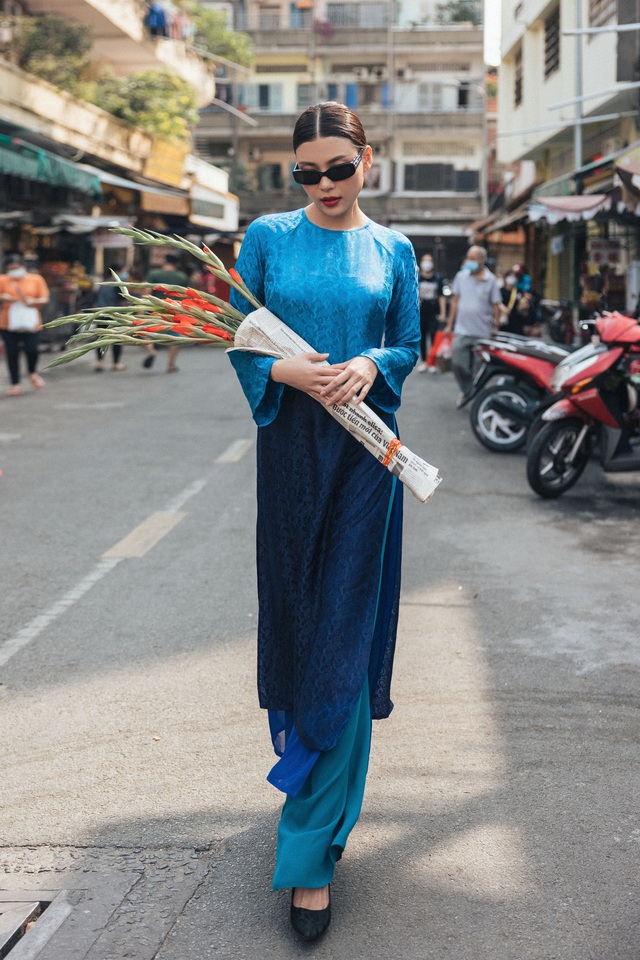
x=333, y=199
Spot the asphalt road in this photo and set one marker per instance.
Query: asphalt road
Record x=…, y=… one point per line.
x=501, y=819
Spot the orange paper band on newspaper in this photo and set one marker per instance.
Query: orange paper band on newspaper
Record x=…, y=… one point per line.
x=394, y=446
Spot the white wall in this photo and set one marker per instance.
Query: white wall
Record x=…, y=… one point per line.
x=598, y=73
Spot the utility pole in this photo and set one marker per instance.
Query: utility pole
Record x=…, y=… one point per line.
x=577, y=130
x=391, y=106
x=313, y=91
x=577, y=162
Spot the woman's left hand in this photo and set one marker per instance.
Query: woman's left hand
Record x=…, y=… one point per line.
x=352, y=383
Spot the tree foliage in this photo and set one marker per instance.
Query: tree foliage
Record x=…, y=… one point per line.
x=460, y=11
x=159, y=102
x=51, y=48
x=213, y=36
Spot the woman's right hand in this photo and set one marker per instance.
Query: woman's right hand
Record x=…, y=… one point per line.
x=306, y=372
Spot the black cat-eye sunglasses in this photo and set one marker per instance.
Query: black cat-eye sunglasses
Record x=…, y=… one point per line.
x=341, y=171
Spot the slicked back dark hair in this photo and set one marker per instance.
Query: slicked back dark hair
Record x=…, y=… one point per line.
x=328, y=119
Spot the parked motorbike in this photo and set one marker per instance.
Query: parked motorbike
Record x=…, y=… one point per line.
x=600, y=388
x=511, y=381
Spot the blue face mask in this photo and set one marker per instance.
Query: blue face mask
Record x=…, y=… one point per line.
x=470, y=265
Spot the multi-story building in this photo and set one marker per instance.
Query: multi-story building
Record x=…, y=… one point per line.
x=568, y=114
x=416, y=82
x=69, y=170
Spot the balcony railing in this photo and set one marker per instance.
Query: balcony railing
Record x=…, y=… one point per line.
x=74, y=122
x=375, y=122
x=339, y=16
x=399, y=207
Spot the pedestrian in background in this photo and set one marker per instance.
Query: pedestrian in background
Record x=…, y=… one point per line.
x=21, y=296
x=109, y=296
x=474, y=313
x=432, y=308
x=169, y=274
x=156, y=20
x=329, y=523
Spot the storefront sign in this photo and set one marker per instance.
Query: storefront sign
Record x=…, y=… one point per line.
x=604, y=251
x=165, y=163
x=165, y=203
x=557, y=245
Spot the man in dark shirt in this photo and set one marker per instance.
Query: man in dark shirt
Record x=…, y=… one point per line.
x=432, y=308
x=167, y=275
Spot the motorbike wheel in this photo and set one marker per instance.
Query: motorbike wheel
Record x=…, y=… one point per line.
x=548, y=472
x=494, y=430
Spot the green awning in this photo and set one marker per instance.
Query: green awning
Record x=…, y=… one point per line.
x=20, y=159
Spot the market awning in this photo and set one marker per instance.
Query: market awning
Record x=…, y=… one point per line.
x=629, y=173
x=571, y=209
x=512, y=219
x=73, y=223
x=148, y=189
x=16, y=215
x=21, y=159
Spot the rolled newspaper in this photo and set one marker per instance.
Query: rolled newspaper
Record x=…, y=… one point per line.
x=264, y=333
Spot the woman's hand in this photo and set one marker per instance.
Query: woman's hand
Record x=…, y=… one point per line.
x=352, y=381
x=306, y=372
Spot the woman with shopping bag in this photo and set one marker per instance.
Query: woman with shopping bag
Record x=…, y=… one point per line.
x=21, y=295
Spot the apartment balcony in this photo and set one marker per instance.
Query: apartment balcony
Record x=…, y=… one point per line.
x=277, y=126
x=399, y=207
x=278, y=31
x=34, y=104
x=120, y=40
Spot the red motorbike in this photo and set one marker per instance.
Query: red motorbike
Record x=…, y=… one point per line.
x=600, y=385
x=511, y=382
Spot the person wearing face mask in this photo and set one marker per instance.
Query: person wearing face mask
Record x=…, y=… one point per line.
x=509, y=295
x=474, y=313
x=20, y=326
x=432, y=308
x=518, y=310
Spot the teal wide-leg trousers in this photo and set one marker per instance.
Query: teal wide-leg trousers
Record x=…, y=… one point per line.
x=315, y=825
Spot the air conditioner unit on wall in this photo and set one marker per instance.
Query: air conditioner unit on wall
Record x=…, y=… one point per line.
x=361, y=72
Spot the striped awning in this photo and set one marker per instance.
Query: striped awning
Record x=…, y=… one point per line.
x=23, y=160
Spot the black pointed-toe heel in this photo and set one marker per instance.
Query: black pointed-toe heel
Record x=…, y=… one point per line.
x=310, y=924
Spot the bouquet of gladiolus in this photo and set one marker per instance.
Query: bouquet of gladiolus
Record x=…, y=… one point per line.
x=199, y=317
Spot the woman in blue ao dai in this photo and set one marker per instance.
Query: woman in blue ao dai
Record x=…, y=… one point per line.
x=329, y=514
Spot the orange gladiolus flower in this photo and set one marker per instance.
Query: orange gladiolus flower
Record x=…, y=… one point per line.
x=201, y=305
x=217, y=332
x=236, y=276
